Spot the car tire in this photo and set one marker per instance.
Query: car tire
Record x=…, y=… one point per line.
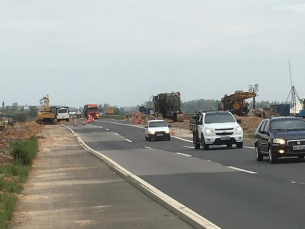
x=169, y=138
x=148, y=138
x=259, y=155
x=229, y=145
x=204, y=146
x=197, y=145
x=239, y=145
x=272, y=156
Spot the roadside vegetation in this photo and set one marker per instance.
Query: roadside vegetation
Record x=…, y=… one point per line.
x=13, y=175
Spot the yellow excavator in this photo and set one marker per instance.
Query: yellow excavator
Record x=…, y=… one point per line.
x=45, y=114
x=236, y=102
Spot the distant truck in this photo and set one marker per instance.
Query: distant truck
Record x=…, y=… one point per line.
x=91, y=109
x=215, y=128
x=62, y=113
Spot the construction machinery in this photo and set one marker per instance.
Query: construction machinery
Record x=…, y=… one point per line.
x=302, y=112
x=168, y=105
x=45, y=114
x=236, y=104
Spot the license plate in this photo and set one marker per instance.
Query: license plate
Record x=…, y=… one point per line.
x=299, y=147
x=159, y=135
x=225, y=138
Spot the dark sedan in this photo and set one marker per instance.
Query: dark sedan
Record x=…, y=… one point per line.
x=280, y=137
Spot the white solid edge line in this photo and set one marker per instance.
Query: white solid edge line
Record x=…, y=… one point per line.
x=191, y=147
x=172, y=202
x=183, y=154
x=242, y=170
x=249, y=147
x=116, y=133
x=128, y=140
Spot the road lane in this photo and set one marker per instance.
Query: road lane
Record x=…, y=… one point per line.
x=204, y=182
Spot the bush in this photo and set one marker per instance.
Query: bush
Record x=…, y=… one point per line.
x=24, y=152
x=7, y=204
x=21, y=117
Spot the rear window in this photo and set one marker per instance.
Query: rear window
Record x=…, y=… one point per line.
x=218, y=118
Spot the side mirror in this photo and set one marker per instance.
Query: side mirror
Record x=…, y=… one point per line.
x=238, y=120
x=145, y=127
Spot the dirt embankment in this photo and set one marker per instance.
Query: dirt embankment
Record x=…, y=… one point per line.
x=18, y=132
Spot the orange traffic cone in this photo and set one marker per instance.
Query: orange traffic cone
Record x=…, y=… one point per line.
x=173, y=132
x=75, y=123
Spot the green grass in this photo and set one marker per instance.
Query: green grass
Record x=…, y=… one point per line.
x=12, y=176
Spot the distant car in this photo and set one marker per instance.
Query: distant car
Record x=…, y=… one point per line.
x=157, y=129
x=280, y=137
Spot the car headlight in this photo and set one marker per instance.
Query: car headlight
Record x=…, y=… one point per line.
x=151, y=132
x=238, y=128
x=208, y=130
x=279, y=141
x=167, y=131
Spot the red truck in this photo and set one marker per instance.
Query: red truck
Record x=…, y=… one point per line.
x=91, y=109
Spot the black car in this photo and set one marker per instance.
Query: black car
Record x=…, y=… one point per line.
x=280, y=137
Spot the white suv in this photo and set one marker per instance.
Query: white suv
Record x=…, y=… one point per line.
x=217, y=128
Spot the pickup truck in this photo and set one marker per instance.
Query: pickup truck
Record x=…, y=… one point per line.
x=216, y=128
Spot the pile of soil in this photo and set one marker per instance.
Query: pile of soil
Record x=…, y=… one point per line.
x=18, y=132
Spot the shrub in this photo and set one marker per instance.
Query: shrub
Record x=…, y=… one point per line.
x=21, y=117
x=25, y=151
x=7, y=204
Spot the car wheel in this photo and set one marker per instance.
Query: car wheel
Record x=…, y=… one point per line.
x=149, y=139
x=239, y=145
x=259, y=156
x=146, y=138
x=229, y=145
x=272, y=156
x=204, y=146
x=197, y=145
x=169, y=138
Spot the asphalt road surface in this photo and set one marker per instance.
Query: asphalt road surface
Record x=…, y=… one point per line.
x=227, y=186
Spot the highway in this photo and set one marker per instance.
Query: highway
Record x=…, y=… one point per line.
x=226, y=186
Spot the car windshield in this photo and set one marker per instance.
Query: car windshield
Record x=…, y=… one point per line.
x=157, y=124
x=287, y=125
x=219, y=118
x=64, y=110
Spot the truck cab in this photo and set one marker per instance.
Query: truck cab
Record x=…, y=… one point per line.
x=216, y=128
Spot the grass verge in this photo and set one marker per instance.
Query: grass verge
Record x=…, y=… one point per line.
x=13, y=176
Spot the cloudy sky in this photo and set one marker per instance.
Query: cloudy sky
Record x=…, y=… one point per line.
x=122, y=52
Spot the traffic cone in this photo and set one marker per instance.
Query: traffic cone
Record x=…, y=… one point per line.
x=75, y=123
x=84, y=121
x=173, y=132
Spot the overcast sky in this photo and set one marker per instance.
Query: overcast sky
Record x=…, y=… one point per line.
x=122, y=52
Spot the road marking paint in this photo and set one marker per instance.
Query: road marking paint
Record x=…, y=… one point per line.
x=242, y=170
x=116, y=133
x=162, y=196
x=183, y=154
x=182, y=139
x=107, y=129
x=249, y=147
x=147, y=147
x=128, y=140
x=190, y=147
